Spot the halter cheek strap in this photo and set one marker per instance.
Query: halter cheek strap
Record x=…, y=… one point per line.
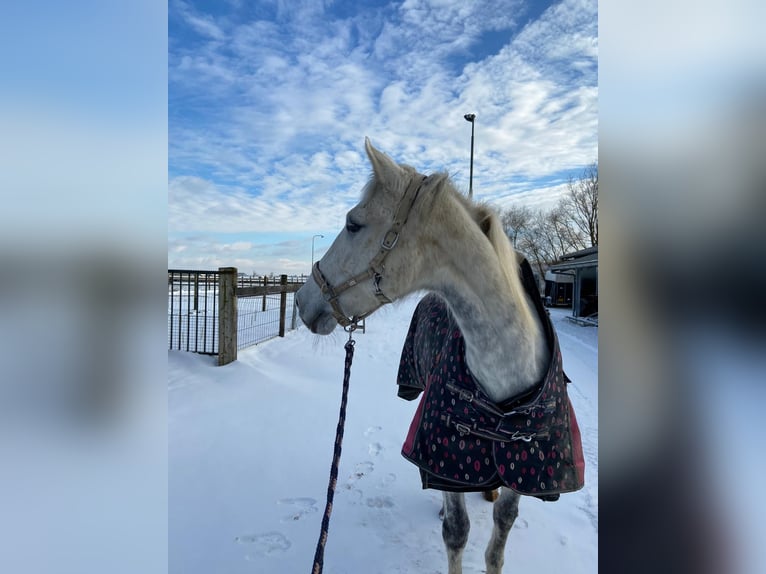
x=375, y=269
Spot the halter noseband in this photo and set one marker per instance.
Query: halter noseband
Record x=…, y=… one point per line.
x=375, y=269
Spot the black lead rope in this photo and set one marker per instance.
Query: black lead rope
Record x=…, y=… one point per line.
x=319, y=555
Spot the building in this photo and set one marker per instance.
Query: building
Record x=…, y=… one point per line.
x=558, y=289
x=582, y=267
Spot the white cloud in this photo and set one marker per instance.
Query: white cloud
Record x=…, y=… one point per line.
x=200, y=23
x=272, y=114
x=198, y=205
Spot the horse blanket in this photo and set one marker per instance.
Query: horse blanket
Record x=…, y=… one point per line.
x=460, y=440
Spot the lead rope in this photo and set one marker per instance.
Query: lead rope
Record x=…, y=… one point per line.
x=319, y=554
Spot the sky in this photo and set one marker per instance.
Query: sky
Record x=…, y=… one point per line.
x=269, y=104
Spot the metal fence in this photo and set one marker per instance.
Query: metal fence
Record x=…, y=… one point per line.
x=265, y=308
x=259, y=318
x=255, y=281
x=193, y=311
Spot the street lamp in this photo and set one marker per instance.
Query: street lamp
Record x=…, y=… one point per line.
x=471, y=118
x=312, y=248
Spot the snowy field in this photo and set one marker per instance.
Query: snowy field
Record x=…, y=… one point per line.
x=250, y=446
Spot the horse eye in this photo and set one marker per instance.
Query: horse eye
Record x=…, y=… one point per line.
x=352, y=227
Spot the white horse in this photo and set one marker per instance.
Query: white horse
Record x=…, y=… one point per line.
x=410, y=233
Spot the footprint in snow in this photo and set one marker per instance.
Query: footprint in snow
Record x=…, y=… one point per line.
x=380, y=502
x=374, y=449
x=372, y=430
x=360, y=470
x=521, y=524
x=387, y=480
x=363, y=468
x=354, y=496
x=300, y=507
x=266, y=544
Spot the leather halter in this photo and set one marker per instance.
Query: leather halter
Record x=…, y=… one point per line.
x=375, y=269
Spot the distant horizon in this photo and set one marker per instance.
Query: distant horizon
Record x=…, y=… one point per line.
x=269, y=106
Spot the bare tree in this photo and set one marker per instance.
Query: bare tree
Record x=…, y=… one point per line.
x=581, y=203
x=516, y=221
x=533, y=243
x=546, y=236
x=565, y=231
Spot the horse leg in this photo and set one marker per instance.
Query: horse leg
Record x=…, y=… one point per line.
x=455, y=530
x=504, y=513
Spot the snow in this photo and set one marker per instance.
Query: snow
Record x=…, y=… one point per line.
x=250, y=446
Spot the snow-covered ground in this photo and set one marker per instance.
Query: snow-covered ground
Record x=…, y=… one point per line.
x=250, y=446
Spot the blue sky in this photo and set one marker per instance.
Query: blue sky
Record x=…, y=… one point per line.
x=269, y=104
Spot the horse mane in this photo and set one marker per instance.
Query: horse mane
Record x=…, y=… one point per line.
x=486, y=219
x=483, y=216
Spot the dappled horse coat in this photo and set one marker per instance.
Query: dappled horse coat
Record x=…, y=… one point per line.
x=460, y=440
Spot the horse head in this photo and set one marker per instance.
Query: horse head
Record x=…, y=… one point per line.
x=373, y=259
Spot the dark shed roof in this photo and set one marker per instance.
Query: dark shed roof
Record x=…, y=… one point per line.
x=583, y=258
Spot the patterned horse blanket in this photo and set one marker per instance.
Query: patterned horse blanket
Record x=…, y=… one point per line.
x=460, y=440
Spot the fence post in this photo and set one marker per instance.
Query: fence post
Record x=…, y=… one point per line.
x=227, y=315
x=265, y=284
x=196, y=292
x=282, y=304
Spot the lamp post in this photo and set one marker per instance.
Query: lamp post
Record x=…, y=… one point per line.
x=312, y=248
x=471, y=118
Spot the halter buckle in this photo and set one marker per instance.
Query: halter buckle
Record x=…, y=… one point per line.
x=388, y=244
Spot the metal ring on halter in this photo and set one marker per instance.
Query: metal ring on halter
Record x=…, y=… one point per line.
x=351, y=328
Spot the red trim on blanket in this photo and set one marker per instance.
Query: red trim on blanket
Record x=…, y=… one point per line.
x=409, y=442
x=577, y=456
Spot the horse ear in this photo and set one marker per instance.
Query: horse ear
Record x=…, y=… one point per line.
x=386, y=170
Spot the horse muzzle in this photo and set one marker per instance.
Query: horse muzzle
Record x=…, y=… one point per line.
x=314, y=310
